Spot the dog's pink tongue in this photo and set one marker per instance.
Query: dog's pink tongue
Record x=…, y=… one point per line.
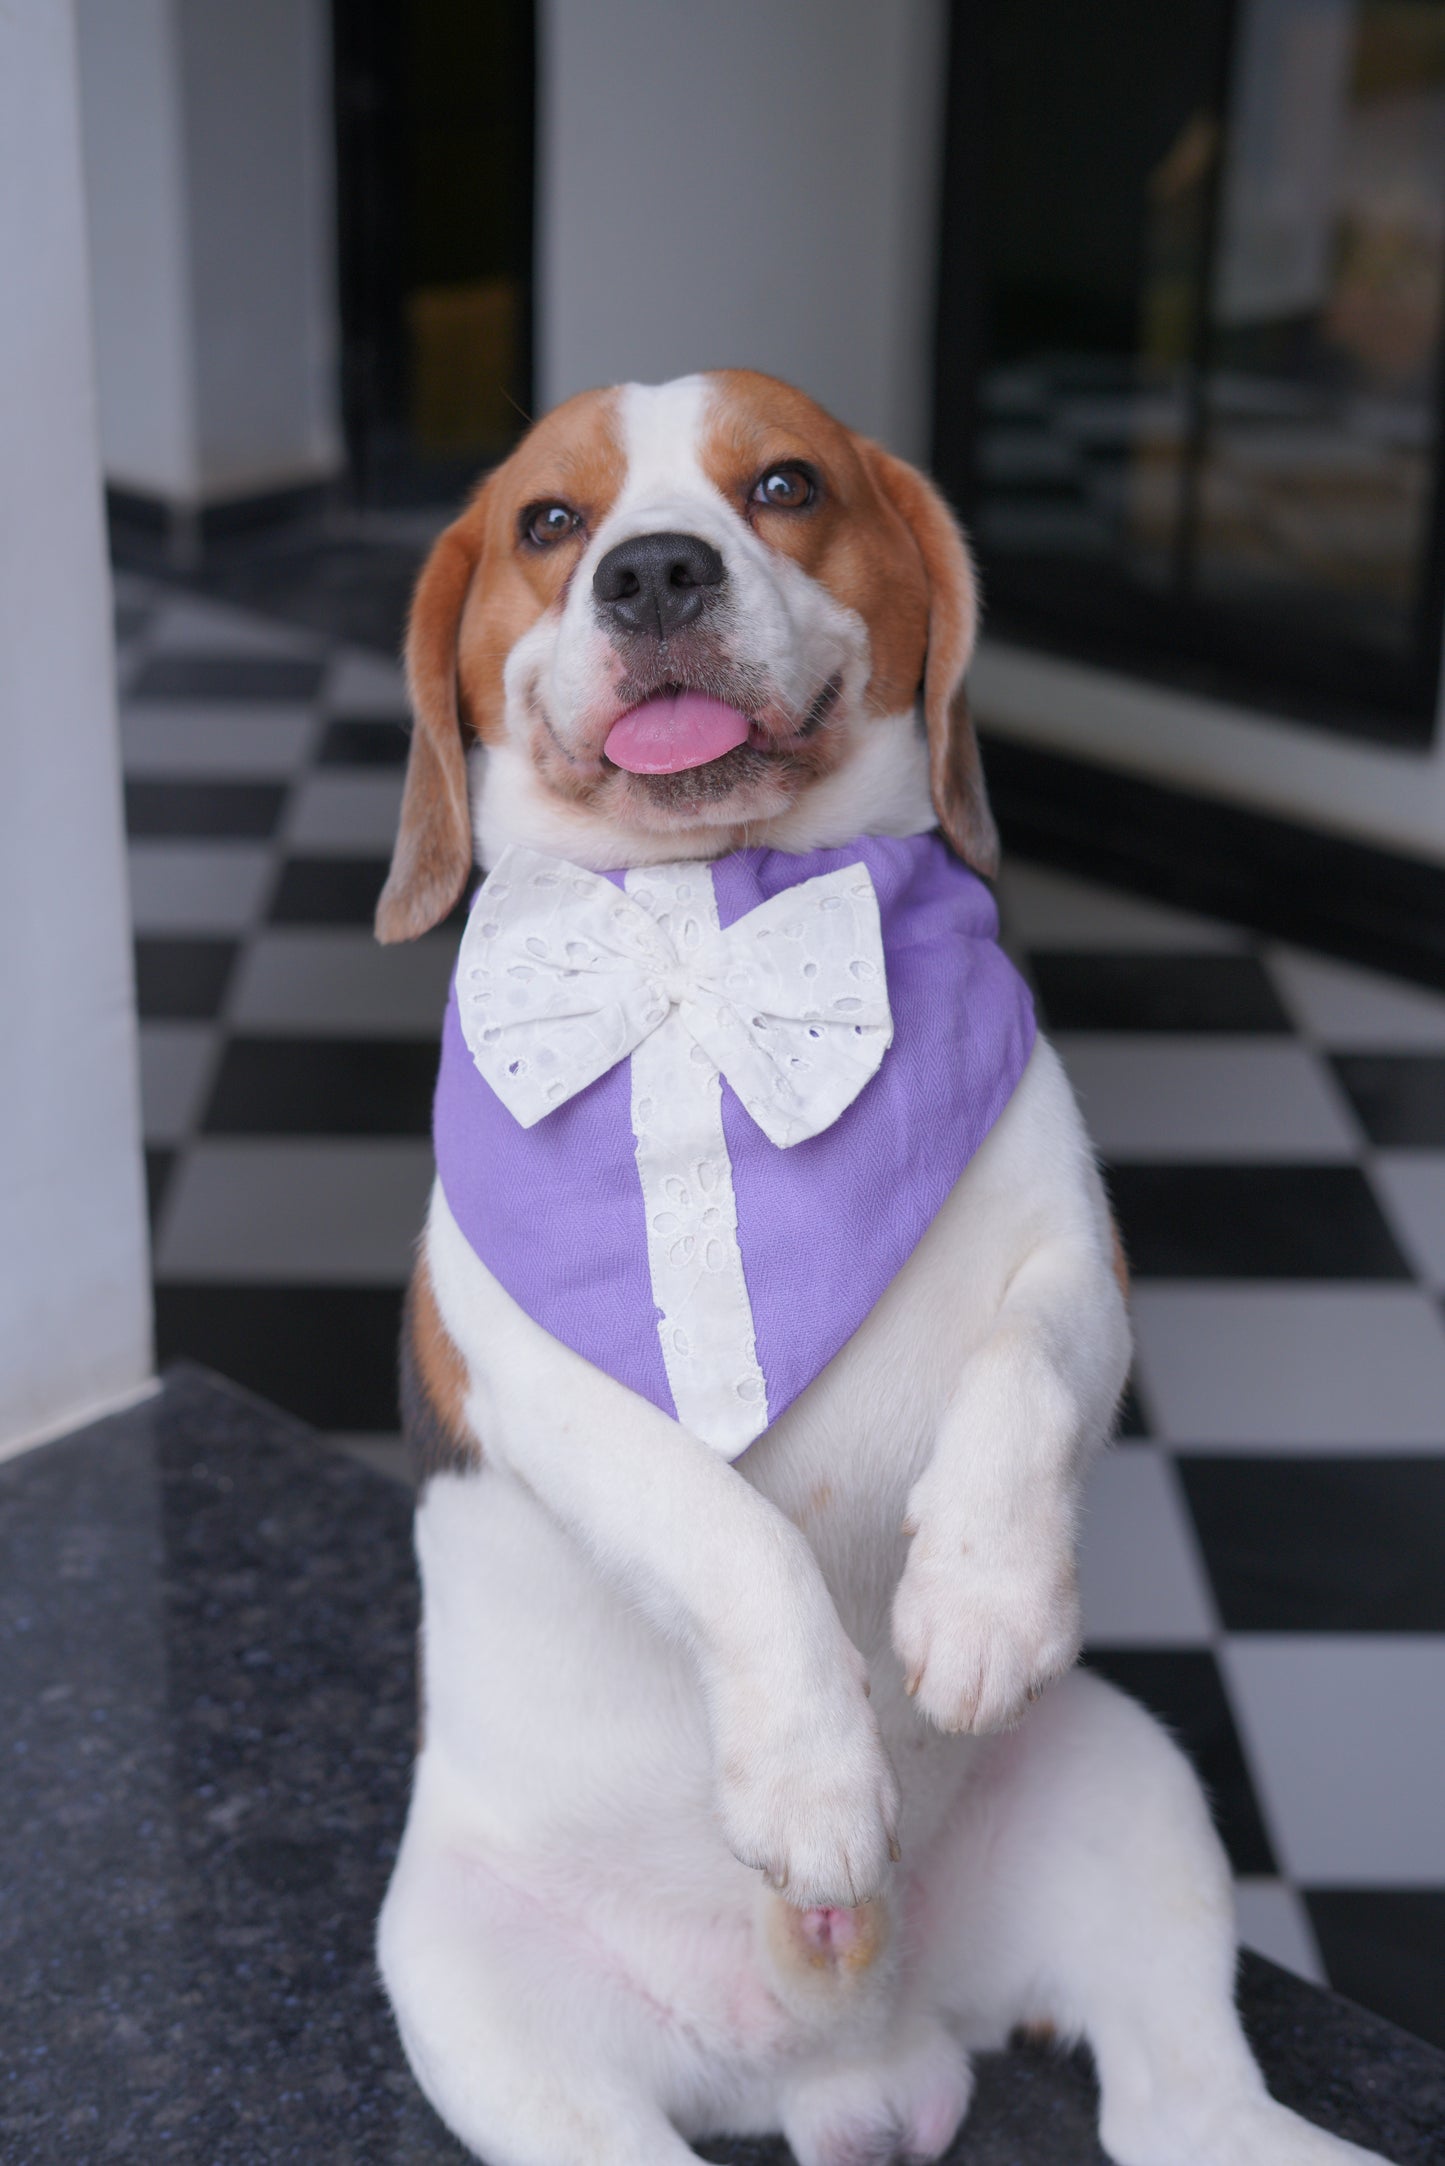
x=678, y=730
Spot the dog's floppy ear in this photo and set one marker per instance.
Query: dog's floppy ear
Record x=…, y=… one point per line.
x=433, y=852
x=955, y=771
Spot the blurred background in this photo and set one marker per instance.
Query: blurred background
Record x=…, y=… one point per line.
x=1157, y=293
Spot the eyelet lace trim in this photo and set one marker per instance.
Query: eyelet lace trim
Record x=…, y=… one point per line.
x=705, y=1319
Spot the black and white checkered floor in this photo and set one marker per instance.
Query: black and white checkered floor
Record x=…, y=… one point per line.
x=1265, y=1554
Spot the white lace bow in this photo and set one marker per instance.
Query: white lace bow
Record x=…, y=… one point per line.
x=562, y=975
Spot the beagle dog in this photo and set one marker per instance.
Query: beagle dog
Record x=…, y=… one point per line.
x=767, y=1316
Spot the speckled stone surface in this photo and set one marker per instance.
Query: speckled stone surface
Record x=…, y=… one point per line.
x=206, y=1641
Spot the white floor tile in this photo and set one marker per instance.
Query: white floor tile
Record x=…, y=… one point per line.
x=1349, y=1009
x=365, y=684
x=339, y=980
x=170, y=739
x=1200, y=1098
x=345, y=814
x=1347, y=1746
x=176, y=1061
x=1314, y=1367
x=198, y=888
x=291, y=1209
x=1045, y=909
x=1274, y=1922
x=1139, y=1570
x=1411, y=1185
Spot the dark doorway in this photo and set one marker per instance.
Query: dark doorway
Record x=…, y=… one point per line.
x=1189, y=393
x=435, y=105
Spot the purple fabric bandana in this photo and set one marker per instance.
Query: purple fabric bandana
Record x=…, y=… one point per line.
x=662, y=1177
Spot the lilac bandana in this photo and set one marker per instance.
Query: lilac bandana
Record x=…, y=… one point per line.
x=695, y=1117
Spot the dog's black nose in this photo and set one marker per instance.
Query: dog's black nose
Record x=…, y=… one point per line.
x=658, y=582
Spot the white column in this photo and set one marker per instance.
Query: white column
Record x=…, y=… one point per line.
x=209, y=170
x=74, y=1296
x=747, y=185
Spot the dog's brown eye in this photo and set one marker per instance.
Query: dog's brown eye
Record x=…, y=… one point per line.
x=549, y=523
x=785, y=488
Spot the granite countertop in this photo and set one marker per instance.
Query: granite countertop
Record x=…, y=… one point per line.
x=207, y=1628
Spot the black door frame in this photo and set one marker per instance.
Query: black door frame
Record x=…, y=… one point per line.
x=367, y=68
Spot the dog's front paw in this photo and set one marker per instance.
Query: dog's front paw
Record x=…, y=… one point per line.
x=980, y=1635
x=805, y=1788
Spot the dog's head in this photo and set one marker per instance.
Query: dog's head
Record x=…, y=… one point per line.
x=678, y=620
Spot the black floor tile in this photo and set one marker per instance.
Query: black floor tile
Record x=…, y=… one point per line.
x=1322, y=1545
x=327, y=1353
x=182, y=980
x=323, y=1086
x=338, y=891
x=353, y=588
x=360, y=741
x=158, y=1166
x=232, y=810
x=1253, y=1222
x=1085, y=991
x=1399, y=1097
x=328, y=890
x=240, y=677
x=1385, y=1947
x=1183, y=1687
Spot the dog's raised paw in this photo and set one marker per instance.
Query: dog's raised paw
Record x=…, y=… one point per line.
x=978, y=1643
x=807, y=1795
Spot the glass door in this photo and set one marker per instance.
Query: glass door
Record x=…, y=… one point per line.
x=1191, y=337
x=434, y=117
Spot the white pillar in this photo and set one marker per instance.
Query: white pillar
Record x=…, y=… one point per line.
x=746, y=185
x=209, y=172
x=74, y=1295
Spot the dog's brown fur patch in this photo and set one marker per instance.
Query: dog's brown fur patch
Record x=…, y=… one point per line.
x=883, y=541
x=481, y=588
x=433, y=1388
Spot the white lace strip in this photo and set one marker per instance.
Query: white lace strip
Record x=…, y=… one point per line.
x=693, y=1252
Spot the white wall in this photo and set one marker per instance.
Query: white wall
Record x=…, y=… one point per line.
x=139, y=250
x=209, y=171
x=1393, y=798
x=742, y=183
x=260, y=163
x=74, y=1300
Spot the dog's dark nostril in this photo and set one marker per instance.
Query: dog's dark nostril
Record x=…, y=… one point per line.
x=658, y=582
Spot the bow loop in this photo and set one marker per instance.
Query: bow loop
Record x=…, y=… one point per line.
x=562, y=975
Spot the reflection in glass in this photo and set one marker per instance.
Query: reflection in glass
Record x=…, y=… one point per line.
x=1320, y=422
x=1213, y=277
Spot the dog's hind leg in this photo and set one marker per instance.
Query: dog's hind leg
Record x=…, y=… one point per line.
x=526, y=2057
x=902, y=2101
x=1082, y=1888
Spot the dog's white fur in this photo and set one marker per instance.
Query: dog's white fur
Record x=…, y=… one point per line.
x=645, y=1669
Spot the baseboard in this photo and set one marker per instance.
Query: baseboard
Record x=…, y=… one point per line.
x=1290, y=882
x=79, y=1416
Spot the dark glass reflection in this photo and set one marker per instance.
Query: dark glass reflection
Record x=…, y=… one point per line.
x=1210, y=273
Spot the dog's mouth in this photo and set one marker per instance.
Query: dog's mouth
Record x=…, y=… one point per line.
x=679, y=730
x=674, y=732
